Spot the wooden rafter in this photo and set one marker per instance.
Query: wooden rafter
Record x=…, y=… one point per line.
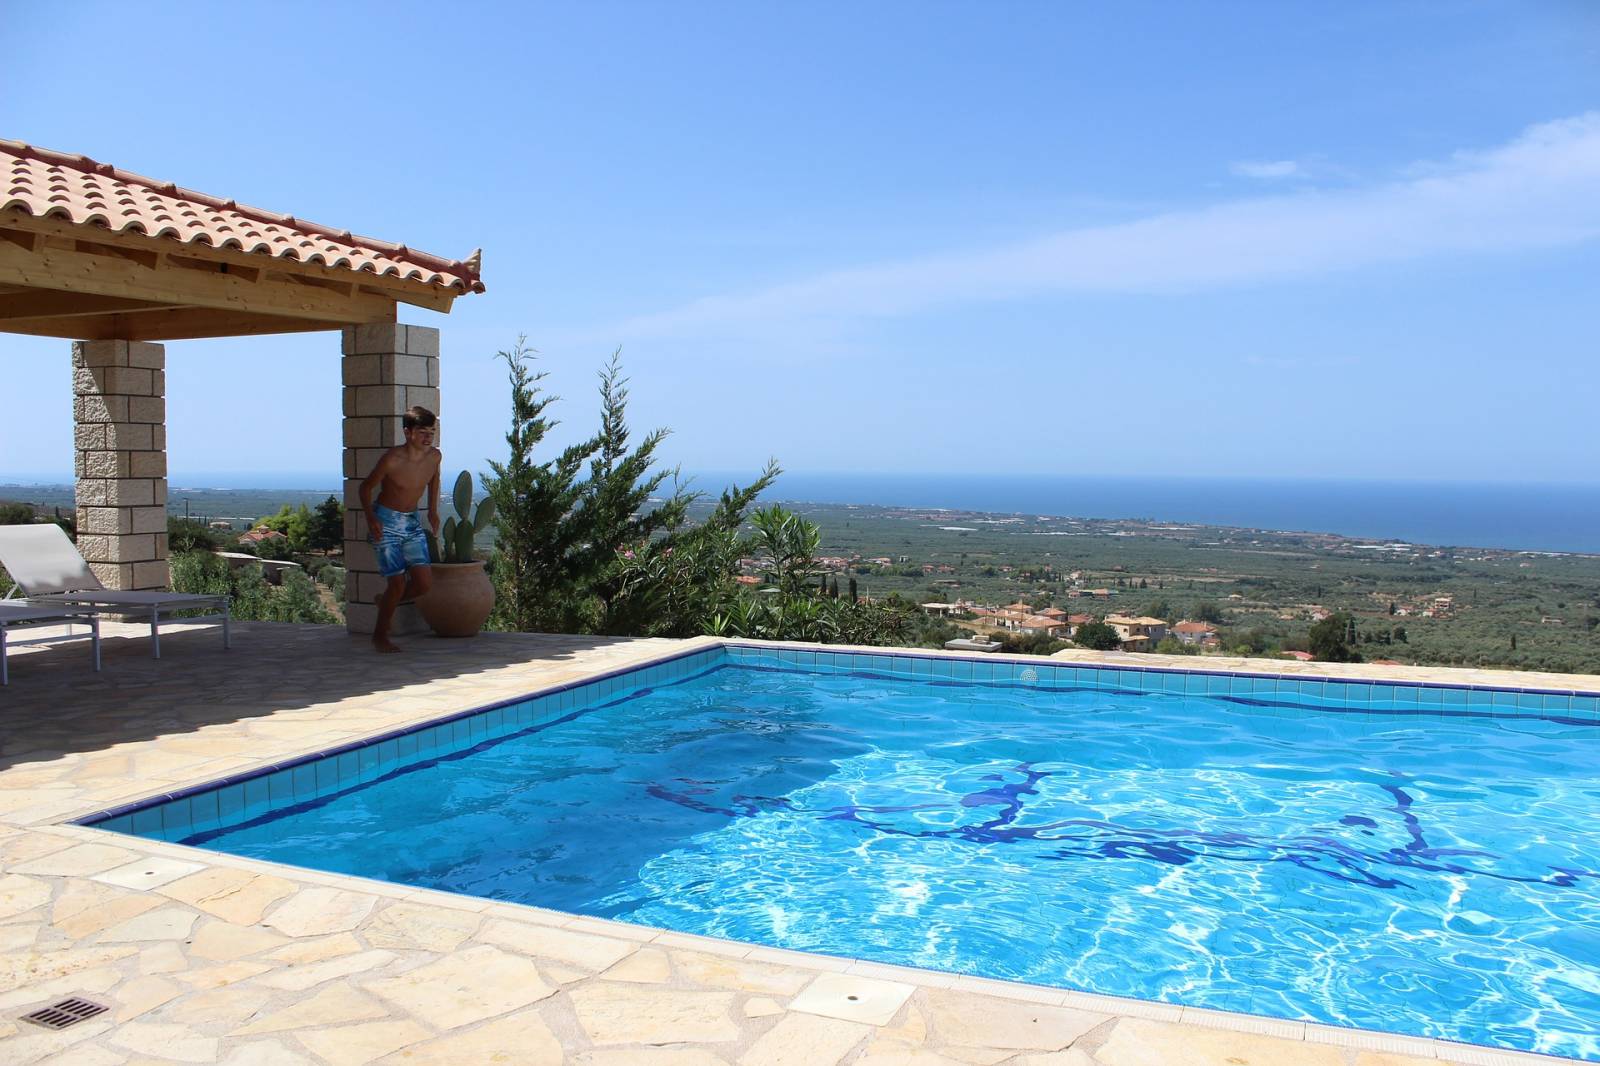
x=166, y=325
x=35, y=303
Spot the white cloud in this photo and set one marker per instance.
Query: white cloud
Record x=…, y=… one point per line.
x=1540, y=190
x=1268, y=171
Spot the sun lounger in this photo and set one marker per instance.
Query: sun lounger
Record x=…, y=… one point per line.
x=50, y=572
x=28, y=616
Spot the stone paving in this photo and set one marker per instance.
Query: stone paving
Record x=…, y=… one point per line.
x=206, y=958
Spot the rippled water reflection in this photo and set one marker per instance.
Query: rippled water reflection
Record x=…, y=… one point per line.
x=1418, y=874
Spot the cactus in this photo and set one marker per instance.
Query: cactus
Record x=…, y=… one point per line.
x=455, y=539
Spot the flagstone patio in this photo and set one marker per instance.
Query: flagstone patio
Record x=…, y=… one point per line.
x=204, y=957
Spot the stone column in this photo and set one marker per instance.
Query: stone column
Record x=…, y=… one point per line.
x=387, y=368
x=120, y=410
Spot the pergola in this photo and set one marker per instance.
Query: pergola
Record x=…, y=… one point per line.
x=115, y=262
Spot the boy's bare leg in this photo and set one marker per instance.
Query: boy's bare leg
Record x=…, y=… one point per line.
x=392, y=594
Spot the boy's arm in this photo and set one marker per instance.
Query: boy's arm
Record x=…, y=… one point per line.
x=433, y=492
x=368, y=487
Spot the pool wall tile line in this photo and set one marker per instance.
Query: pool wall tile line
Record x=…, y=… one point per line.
x=316, y=776
x=1347, y=695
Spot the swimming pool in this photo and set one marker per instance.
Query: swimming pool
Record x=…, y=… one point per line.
x=1410, y=858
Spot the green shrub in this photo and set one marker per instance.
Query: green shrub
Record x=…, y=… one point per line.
x=250, y=598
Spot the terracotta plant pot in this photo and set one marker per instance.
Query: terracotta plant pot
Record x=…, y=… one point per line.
x=460, y=600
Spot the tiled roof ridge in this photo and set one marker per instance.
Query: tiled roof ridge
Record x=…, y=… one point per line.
x=467, y=272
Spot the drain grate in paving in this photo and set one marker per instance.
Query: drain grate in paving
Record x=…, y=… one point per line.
x=67, y=1012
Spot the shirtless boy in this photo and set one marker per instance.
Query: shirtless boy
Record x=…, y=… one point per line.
x=392, y=525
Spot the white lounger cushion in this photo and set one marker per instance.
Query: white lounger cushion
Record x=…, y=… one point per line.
x=41, y=560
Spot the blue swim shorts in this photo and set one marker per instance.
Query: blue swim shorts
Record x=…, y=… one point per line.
x=402, y=544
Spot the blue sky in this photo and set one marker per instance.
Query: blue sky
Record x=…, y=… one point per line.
x=1307, y=240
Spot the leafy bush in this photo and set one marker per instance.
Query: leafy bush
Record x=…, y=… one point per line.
x=296, y=523
x=1029, y=643
x=1097, y=636
x=585, y=545
x=186, y=535
x=326, y=532
x=559, y=533
x=1330, y=640
x=250, y=598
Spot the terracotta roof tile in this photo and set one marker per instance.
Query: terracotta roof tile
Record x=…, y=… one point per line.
x=48, y=184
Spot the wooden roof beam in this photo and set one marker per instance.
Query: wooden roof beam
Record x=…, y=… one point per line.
x=46, y=303
x=203, y=285
x=181, y=323
x=17, y=226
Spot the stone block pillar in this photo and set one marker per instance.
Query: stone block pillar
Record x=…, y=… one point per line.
x=120, y=409
x=387, y=367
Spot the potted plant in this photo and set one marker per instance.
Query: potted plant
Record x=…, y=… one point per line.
x=462, y=595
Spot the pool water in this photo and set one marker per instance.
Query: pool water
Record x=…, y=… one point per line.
x=1414, y=873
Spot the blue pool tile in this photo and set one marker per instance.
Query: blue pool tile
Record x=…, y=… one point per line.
x=1530, y=702
x=1503, y=702
x=348, y=769
x=1583, y=705
x=961, y=670
x=257, y=798
x=303, y=779
x=1217, y=684
x=406, y=746
x=1479, y=699
x=370, y=759
x=204, y=813
x=326, y=772
x=434, y=740
x=176, y=822
x=1554, y=705
x=121, y=824
x=231, y=804
x=147, y=823
x=460, y=735
x=280, y=786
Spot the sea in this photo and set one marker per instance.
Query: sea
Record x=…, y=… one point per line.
x=1528, y=516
